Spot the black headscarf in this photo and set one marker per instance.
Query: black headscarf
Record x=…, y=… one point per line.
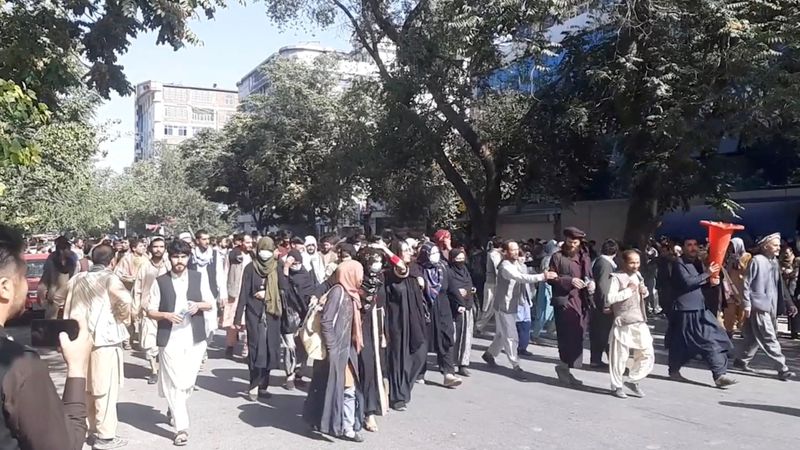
x=459, y=274
x=373, y=281
x=432, y=273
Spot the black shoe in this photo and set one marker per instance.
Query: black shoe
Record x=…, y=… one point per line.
x=598, y=366
x=152, y=379
x=524, y=352
x=563, y=374
x=263, y=394
x=520, y=374
x=785, y=375
x=462, y=371
x=723, y=381
x=743, y=366
x=400, y=406
x=229, y=352
x=489, y=359
x=676, y=376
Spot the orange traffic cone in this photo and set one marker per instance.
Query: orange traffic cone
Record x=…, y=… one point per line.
x=719, y=236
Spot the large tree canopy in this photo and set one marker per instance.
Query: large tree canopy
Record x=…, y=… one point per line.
x=445, y=53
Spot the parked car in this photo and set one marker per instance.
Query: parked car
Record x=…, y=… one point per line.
x=35, y=264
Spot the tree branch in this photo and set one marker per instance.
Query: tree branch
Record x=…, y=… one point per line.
x=370, y=47
x=412, y=16
x=383, y=22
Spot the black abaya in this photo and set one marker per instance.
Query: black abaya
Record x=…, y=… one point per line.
x=263, y=329
x=405, y=329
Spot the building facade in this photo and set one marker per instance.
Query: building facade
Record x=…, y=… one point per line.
x=171, y=113
x=350, y=65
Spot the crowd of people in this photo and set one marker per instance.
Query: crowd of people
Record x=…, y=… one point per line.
x=359, y=316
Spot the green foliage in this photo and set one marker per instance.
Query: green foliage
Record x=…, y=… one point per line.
x=445, y=52
x=21, y=116
x=41, y=42
x=654, y=86
x=284, y=157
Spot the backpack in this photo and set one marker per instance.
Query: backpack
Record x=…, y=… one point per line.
x=311, y=330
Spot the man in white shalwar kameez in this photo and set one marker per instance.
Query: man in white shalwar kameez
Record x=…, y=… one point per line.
x=629, y=331
x=143, y=284
x=179, y=305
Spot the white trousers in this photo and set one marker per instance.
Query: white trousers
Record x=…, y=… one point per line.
x=505, y=337
x=623, y=340
x=178, y=374
x=487, y=309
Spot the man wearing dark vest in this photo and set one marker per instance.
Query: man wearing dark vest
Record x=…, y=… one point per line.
x=33, y=416
x=179, y=306
x=214, y=281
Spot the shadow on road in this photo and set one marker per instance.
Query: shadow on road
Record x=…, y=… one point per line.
x=282, y=412
x=537, y=378
x=135, y=371
x=769, y=408
x=143, y=417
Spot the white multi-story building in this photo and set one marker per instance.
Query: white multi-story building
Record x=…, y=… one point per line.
x=172, y=113
x=350, y=65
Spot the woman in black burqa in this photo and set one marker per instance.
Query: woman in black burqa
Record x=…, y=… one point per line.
x=441, y=329
x=260, y=302
x=331, y=406
x=406, y=323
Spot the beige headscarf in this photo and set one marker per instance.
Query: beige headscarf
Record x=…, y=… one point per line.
x=350, y=274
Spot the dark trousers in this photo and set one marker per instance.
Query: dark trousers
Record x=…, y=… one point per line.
x=599, y=330
x=524, y=333
x=259, y=378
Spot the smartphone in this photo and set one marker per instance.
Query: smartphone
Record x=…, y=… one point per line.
x=44, y=332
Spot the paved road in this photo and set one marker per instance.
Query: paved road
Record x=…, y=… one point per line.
x=489, y=411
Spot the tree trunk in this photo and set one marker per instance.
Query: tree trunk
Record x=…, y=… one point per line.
x=643, y=216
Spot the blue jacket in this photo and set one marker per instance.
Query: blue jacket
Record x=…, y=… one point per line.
x=687, y=282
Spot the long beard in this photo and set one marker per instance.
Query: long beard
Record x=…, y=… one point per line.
x=568, y=251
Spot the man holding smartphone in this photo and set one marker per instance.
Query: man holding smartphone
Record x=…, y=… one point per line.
x=101, y=304
x=34, y=416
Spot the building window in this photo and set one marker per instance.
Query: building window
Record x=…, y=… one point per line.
x=202, y=97
x=198, y=130
x=230, y=99
x=173, y=130
x=203, y=115
x=175, y=94
x=176, y=112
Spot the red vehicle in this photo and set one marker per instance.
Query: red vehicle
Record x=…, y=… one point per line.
x=35, y=264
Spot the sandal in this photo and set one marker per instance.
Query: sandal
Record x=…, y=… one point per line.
x=371, y=424
x=181, y=439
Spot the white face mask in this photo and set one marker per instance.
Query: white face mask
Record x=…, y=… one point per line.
x=297, y=267
x=434, y=258
x=264, y=255
x=375, y=267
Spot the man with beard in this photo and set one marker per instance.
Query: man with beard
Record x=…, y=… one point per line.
x=327, y=253
x=214, y=282
x=238, y=259
x=601, y=318
x=99, y=301
x=178, y=303
x=630, y=333
x=572, y=291
x=693, y=330
x=493, y=260
x=313, y=261
x=763, y=292
x=145, y=278
x=126, y=269
x=60, y=266
x=511, y=278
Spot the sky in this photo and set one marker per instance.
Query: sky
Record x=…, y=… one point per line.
x=234, y=43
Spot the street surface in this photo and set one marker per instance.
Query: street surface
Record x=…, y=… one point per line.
x=490, y=410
